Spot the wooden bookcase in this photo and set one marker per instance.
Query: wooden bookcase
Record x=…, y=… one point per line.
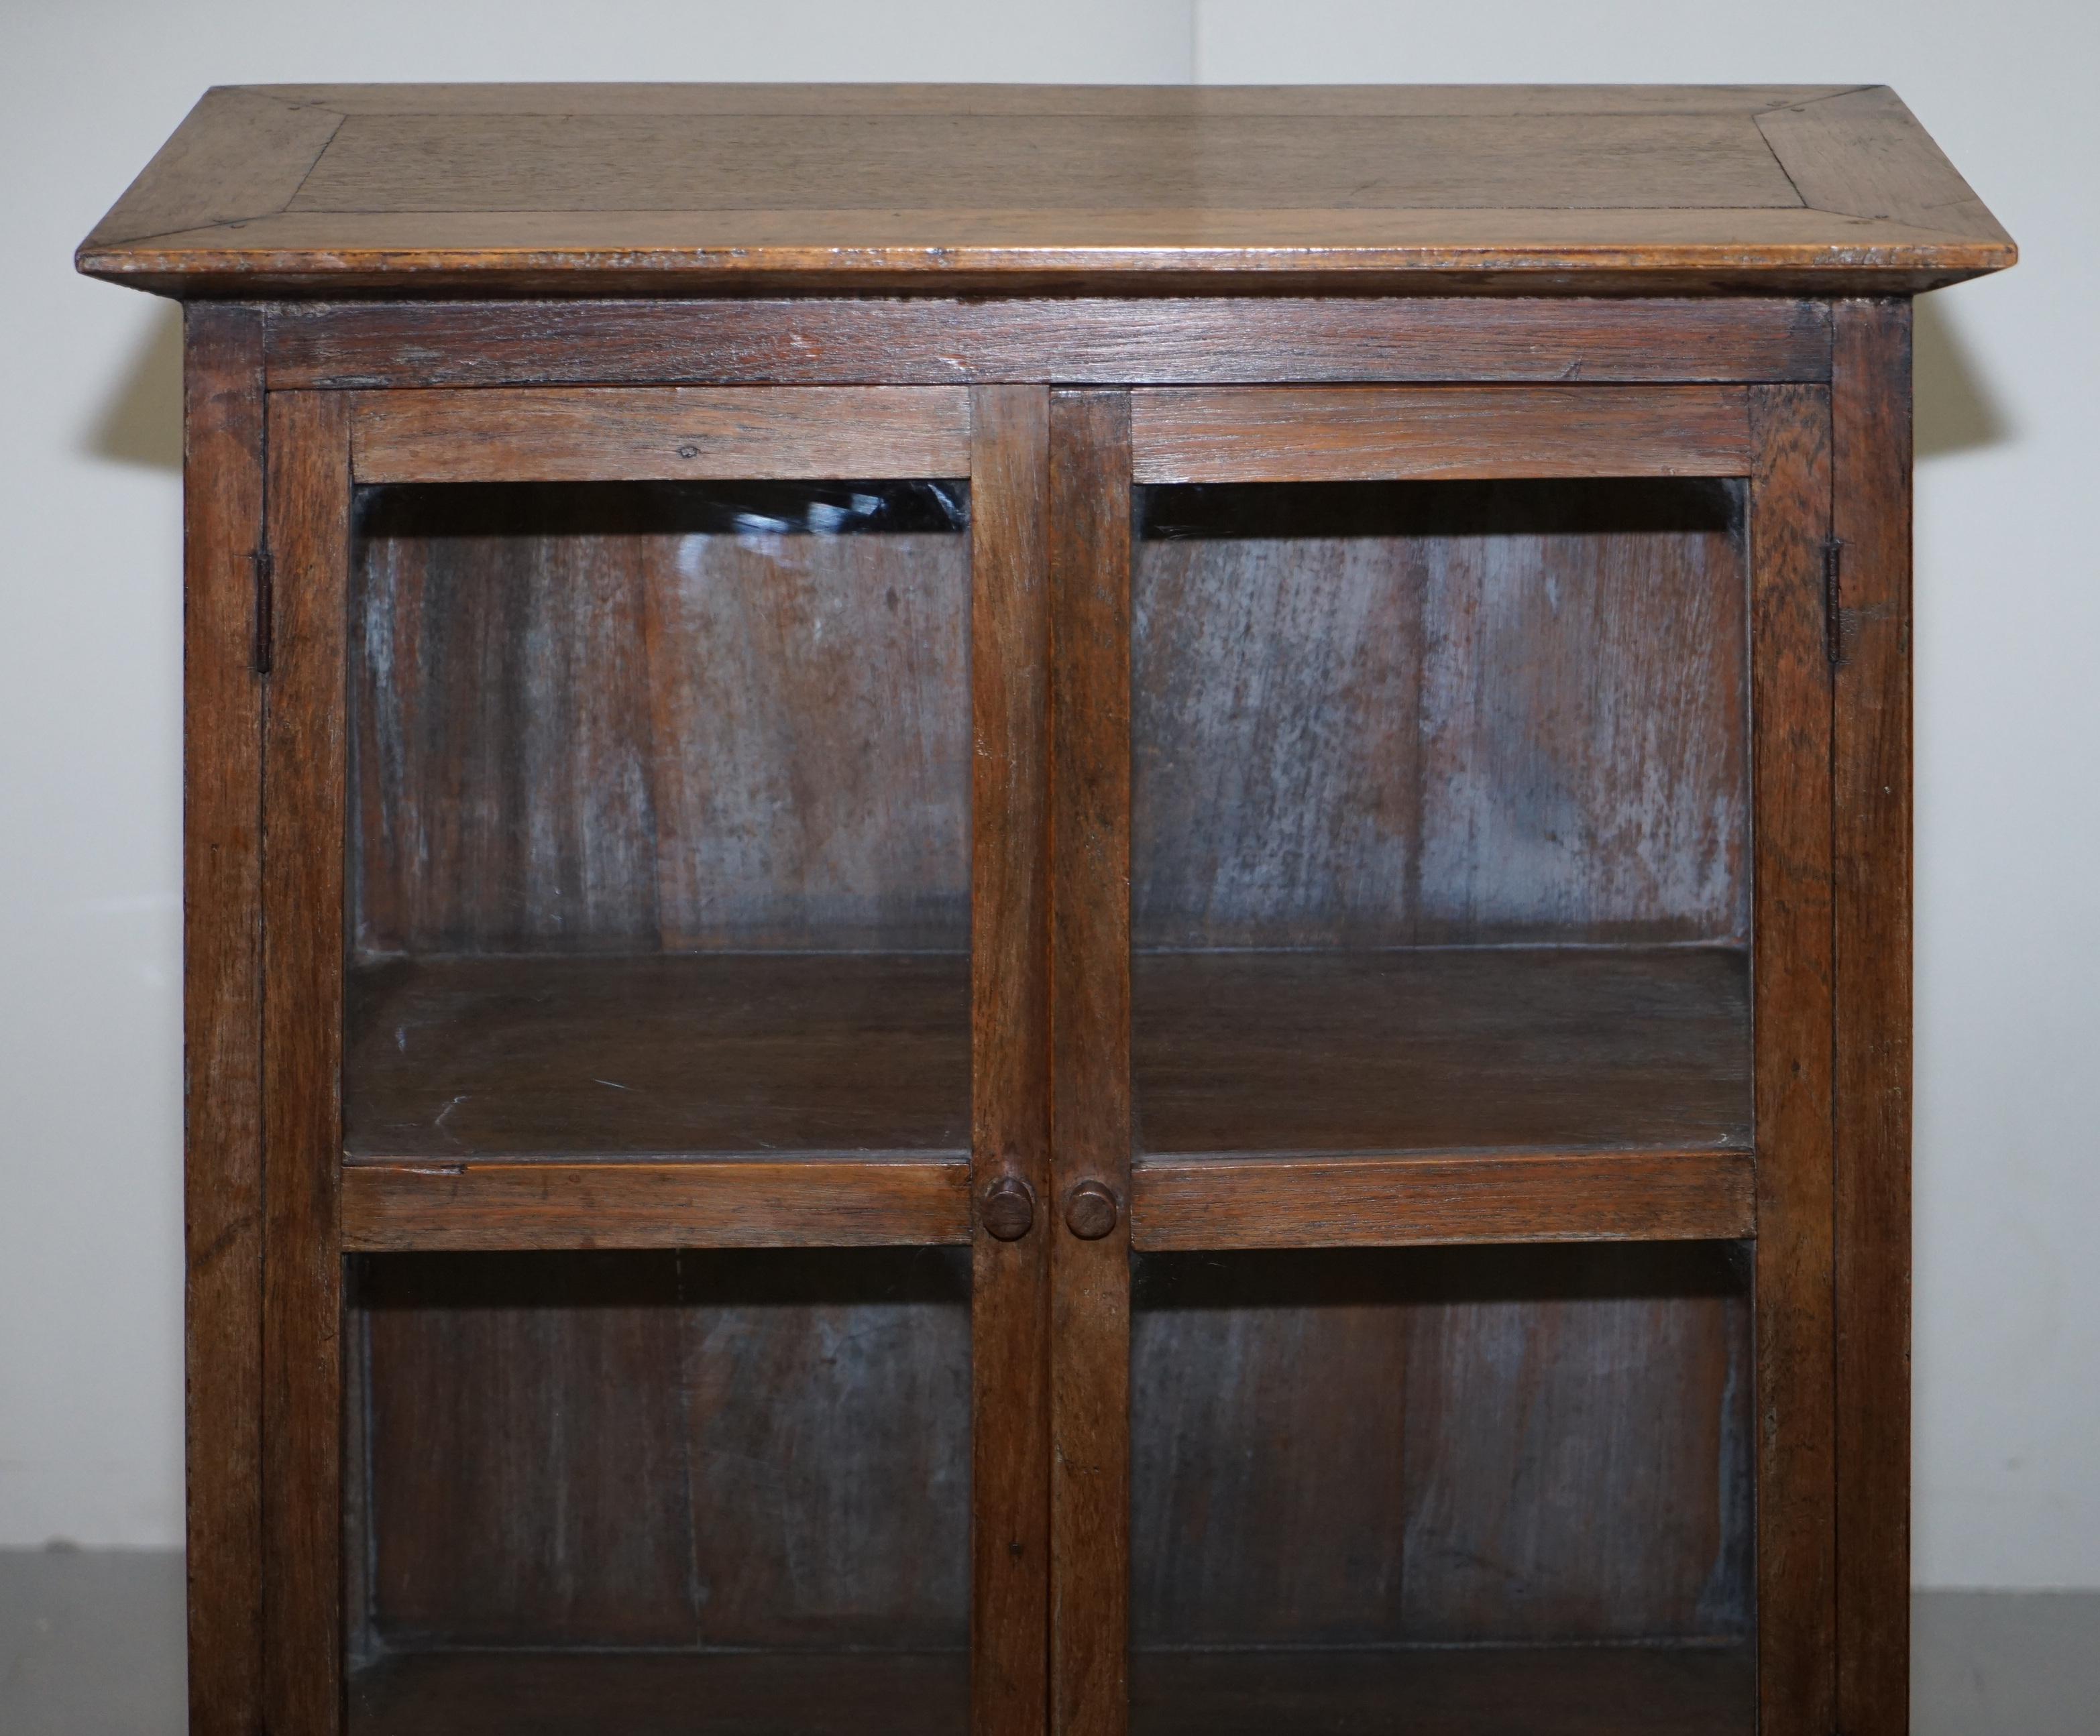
x=1047, y=909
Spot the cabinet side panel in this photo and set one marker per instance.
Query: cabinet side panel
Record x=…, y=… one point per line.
x=303, y=888
x=1791, y=971
x=1009, y=679
x=223, y=458
x=1871, y=439
x=1090, y=1058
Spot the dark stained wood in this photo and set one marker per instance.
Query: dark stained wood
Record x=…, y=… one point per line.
x=1007, y=1208
x=1454, y=1445
x=1252, y=435
x=816, y=341
x=542, y=435
x=627, y=717
x=1091, y=1115
x=1870, y=460
x=304, y=802
x=1500, y=1690
x=1010, y=1059
x=1578, y=1447
x=817, y=1202
x=1512, y=1690
x=1791, y=973
x=759, y=1055
x=968, y=189
x=526, y=1450
x=575, y=1693
x=1091, y=1210
x=1418, y=1201
x=1440, y=1049
x=1383, y=715
x=222, y=529
x=693, y=1450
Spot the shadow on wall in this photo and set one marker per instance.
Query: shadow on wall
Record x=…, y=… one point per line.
x=141, y=423
x=1956, y=410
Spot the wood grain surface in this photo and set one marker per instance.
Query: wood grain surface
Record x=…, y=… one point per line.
x=1791, y=971
x=223, y=538
x=1442, y=1049
x=753, y=1054
x=1420, y=1201
x=659, y=433
x=541, y=190
x=1010, y=1057
x=815, y=340
x=628, y=718
x=570, y=1693
x=1278, y=435
x=1090, y=1034
x=1457, y=1446
x=1388, y=715
x=1870, y=411
x=1509, y=1690
x=304, y=822
x=720, y=1450
x=1500, y=1690
x=412, y=1204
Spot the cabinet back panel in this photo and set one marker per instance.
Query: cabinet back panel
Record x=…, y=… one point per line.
x=725, y=1449
x=1401, y=713
x=1378, y=1447
x=631, y=717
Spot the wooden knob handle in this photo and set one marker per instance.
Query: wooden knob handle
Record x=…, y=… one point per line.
x=1007, y=1211
x=1090, y=1210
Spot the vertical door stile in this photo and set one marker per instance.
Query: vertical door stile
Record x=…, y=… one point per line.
x=1792, y=985
x=302, y=895
x=1090, y=552
x=1010, y=1069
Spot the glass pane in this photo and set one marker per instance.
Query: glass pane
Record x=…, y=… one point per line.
x=660, y=848
x=1505, y=1491
x=1439, y=798
x=698, y=1492
x=661, y=820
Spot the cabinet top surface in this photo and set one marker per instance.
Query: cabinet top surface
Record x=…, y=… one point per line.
x=694, y=189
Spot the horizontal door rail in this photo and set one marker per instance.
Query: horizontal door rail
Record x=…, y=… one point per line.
x=1386, y=1201
x=1371, y=433
x=656, y=433
x=1166, y=341
x=403, y=1205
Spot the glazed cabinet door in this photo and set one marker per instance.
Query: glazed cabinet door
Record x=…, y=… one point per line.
x=655, y=1080
x=1442, y=1142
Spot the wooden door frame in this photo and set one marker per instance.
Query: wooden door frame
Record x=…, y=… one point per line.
x=320, y=444
x=1830, y=781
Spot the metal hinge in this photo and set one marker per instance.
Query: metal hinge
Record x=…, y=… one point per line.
x=265, y=609
x=1834, y=613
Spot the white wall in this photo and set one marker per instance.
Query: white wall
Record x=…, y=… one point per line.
x=2008, y=1357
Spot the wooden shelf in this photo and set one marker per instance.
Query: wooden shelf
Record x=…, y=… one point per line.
x=1459, y=1691
x=1457, y=1048
x=1305, y=1100
x=644, y=1694
x=1284, y=1099
x=757, y=1055
x=1471, y=1690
